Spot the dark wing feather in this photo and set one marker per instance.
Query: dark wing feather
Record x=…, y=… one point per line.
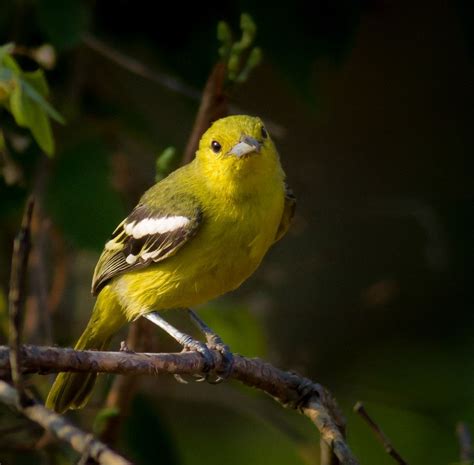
x=130, y=249
x=288, y=213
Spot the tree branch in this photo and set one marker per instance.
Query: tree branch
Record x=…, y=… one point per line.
x=379, y=434
x=81, y=442
x=288, y=388
x=16, y=296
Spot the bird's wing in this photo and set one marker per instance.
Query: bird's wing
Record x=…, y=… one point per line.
x=288, y=213
x=148, y=235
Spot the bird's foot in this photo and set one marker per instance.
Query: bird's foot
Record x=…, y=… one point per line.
x=214, y=342
x=192, y=345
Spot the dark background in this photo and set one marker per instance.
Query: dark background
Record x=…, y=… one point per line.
x=370, y=104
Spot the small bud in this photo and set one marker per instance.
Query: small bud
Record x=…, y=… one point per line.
x=45, y=56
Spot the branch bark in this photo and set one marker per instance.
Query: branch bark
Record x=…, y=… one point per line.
x=379, y=434
x=289, y=389
x=81, y=442
x=16, y=296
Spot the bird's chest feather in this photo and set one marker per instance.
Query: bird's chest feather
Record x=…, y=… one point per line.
x=232, y=240
x=239, y=235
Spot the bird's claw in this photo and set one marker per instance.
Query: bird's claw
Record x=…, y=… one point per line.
x=214, y=343
x=179, y=378
x=227, y=363
x=191, y=345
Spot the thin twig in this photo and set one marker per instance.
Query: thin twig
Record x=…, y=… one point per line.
x=138, y=68
x=60, y=427
x=16, y=297
x=290, y=389
x=379, y=434
x=165, y=80
x=465, y=442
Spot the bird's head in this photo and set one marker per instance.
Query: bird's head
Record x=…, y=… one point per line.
x=238, y=150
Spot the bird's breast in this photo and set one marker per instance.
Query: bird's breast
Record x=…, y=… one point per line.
x=228, y=248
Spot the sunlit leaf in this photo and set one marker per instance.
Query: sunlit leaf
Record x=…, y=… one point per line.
x=6, y=50
x=28, y=113
x=23, y=94
x=34, y=95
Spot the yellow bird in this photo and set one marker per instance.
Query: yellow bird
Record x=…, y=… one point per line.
x=193, y=236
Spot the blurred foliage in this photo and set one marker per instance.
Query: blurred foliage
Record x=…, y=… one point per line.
x=166, y=162
x=145, y=445
x=371, y=292
x=240, y=56
x=23, y=95
x=238, y=326
x=77, y=194
x=102, y=418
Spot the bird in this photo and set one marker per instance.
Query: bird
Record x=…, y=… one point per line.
x=193, y=236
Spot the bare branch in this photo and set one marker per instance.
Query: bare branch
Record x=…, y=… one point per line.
x=379, y=434
x=81, y=442
x=288, y=388
x=16, y=297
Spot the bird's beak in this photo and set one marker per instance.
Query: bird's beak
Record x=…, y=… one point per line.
x=246, y=145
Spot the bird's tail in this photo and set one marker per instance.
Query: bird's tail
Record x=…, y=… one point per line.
x=73, y=390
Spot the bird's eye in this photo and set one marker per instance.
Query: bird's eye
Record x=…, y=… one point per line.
x=215, y=146
x=264, y=133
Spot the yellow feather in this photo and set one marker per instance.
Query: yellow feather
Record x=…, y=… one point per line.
x=242, y=199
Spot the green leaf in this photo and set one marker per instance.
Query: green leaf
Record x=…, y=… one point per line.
x=37, y=80
x=239, y=58
x=39, y=99
x=224, y=35
x=23, y=94
x=29, y=114
x=6, y=86
x=249, y=29
x=10, y=63
x=253, y=60
x=17, y=106
x=6, y=49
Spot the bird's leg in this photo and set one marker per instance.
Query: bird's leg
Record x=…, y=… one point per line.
x=214, y=342
x=185, y=340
